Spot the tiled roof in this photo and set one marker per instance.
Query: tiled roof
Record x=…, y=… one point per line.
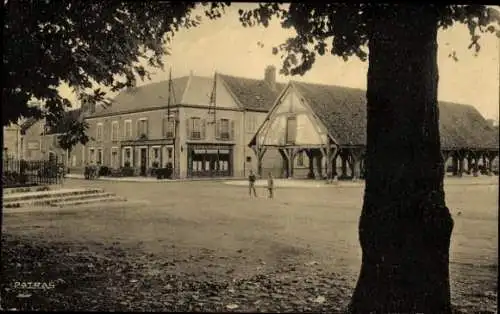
x=197, y=91
x=343, y=111
x=462, y=126
x=145, y=97
x=251, y=93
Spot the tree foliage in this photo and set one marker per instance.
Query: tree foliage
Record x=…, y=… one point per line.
x=74, y=132
x=345, y=28
x=85, y=45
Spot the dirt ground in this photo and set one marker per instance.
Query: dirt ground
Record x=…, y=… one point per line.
x=207, y=246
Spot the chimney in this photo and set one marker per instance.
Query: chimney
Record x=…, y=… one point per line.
x=87, y=106
x=270, y=76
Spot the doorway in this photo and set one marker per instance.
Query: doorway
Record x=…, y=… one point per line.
x=144, y=161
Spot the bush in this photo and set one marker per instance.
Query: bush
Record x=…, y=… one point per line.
x=127, y=171
x=115, y=173
x=104, y=171
x=49, y=171
x=165, y=173
x=12, y=178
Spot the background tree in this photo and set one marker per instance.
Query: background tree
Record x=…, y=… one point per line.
x=74, y=132
x=405, y=226
x=85, y=44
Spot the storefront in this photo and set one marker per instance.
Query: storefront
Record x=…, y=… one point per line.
x=210, y=160
x=145, y=155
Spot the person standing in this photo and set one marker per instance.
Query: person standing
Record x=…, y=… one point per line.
x=251, y=183
x=270, y=184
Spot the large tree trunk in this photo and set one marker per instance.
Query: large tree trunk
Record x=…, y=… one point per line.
x=405, y=226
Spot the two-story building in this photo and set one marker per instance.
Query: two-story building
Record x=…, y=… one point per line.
x=201, y=125
x=12, y=141
x=40, y=142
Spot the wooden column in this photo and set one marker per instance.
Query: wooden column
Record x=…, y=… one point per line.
x=461, y=156
x=331, y=162
x=259, y=153
x=310, y=156
x=455, y=164
x=290, y=156
x=285, y=162
x=475, y=170
x=343, y=157
x=319, y=165
x=356, y=154
x=469, y=162
x=491, y=156
x=334, y=164
x=329, y=153
x=363, y=169
x=445, y=154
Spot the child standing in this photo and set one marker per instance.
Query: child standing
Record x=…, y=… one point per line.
x=270, y=184
x=251, y=183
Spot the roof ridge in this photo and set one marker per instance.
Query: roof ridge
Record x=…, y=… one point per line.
x=327, y=85
x=249, y=78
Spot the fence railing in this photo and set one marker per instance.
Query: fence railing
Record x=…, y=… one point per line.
x=16, y=172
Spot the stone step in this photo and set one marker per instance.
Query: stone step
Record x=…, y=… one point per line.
x=6, y=191
x=89, y=201
x=48, y=194
x=55, y=199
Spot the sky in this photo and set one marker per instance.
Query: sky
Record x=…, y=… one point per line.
x=225, y=46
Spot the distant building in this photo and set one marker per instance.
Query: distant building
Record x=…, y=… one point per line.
x=199, y=141
x=12, y=142
x=326, y=125
x=40, y=142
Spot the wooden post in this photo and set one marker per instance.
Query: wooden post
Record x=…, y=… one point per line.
x=356, y=154
x=491, y=156
x=285, y=160
x=344, y=164
x=310, y=157
x=332, y=165
x=469, y=162
x=290, y=153
x=445, y=154
x=319, y=165
x=475, y=170
x=455, y=163
x=259, y=152
x=461, y=157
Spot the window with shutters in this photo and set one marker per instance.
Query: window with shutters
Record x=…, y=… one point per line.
x=196, y=128
x=142, y=128
x=128, y=129
x=169, y=128
x=99, y=156
x=92, y=155
x=114, y=131
x=99, y=132
x=114, y=157
x=291, y=129
x=224, y=129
